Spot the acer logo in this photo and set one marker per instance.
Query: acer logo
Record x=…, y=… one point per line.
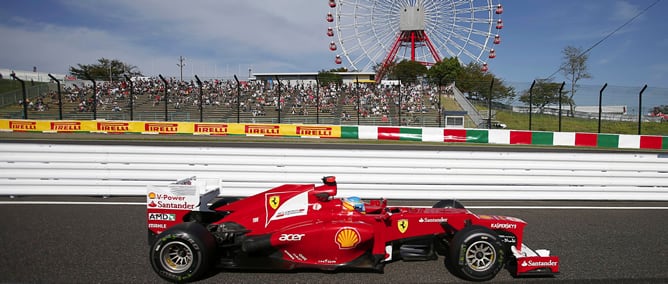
x=291, y=237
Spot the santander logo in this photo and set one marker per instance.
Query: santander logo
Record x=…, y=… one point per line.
x=539, y=263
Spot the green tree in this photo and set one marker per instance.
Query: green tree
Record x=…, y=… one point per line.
x=445, y=72
x=104, y=69
x=574, y=68
x=386, y=70
x=545, y=92
x=408, y=71
x=340, y=69
x=327, y=77
x=475, y=82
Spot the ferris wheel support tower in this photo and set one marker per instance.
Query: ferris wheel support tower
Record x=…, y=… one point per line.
x=411, y=36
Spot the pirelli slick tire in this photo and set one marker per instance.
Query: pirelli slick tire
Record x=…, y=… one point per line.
x=475, y=254
x=183, y=253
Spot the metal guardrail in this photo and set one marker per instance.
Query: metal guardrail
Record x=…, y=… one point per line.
x=109, y=170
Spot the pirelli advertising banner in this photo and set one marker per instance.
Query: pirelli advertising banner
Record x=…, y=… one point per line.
x=187, y=128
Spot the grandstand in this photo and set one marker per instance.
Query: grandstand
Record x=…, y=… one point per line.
x=259, y=102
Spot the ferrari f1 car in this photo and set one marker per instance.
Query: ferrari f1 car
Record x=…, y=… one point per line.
x=191, y=230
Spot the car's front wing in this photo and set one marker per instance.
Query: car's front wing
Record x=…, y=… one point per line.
x=535, y=262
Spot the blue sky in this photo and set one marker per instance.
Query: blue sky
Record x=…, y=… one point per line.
x=223, y=37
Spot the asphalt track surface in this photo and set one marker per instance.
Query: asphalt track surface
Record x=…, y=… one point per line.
x=96, y=240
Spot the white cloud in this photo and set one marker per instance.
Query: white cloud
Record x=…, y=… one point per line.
x=623, y=11
x=215, y=36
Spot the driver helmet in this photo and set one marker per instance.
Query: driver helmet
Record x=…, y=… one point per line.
x=353, y=203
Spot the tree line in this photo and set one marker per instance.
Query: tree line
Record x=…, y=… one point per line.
x=468, y=78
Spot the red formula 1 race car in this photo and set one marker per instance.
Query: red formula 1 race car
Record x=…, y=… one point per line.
x=306, y=226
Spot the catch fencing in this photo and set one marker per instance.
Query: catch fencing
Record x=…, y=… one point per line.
x=122, y=170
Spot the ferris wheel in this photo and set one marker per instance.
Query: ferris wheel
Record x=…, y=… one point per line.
x=372, y=34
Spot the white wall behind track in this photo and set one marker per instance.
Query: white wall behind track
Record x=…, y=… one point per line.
x=106, y=170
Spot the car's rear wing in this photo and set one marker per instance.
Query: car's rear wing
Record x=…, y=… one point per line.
x=167, y=205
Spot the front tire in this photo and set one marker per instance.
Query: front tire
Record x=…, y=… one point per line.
x=183, y=253
x=476, y=254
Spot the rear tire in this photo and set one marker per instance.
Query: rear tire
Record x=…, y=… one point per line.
x=183, y=253
x=223, y=201
x=476, y=254
x=449, y=203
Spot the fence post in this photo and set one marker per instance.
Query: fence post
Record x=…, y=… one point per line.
x=201, y=96
x=132, y=97
x=489, y=105
x=94, y=96
x=600, y=107
x=317, y=100
x=531, y=102
x=560, y=90
x=359, y=100
x=60, y=100
x=23, y=89
x=640, y=109
x=166, y=96
x=440, y=110
x=280, y=106
x=238, y=98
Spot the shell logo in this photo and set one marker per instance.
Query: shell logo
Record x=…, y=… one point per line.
x=151, y=195
x=347, y=238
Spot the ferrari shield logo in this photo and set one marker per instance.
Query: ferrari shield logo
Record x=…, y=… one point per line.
x=402, y=225
x=274, y=201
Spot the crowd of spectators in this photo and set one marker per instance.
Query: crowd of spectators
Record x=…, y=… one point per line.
x=257, y=97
